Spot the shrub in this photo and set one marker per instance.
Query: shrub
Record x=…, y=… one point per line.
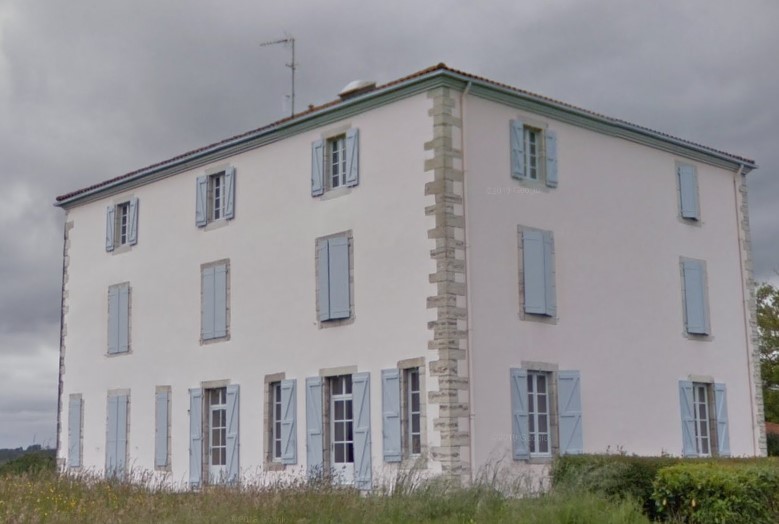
x=718, y=492
x=36, y=462
x=772, y=440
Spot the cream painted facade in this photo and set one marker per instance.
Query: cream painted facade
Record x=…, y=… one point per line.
x=435, y=227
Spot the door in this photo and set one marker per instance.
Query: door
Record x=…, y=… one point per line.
x=341, y=429
x=217, y=435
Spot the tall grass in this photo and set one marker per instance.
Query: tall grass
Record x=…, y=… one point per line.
x=47, y=497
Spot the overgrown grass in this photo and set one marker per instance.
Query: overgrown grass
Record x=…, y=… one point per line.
x=47, y=497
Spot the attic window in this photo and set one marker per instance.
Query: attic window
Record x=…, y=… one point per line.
x=356, y=87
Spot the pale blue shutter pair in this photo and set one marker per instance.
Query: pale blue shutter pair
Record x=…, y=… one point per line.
x=361, y=401
x=538, y=272
x=352, y=162
x=688, y=192
x=687, y=409
x=161, y=429
x=119, y=319
x=696, y=310
x=569, y=408
x=116, y=437
x=196, y=455
x=132, y=225
x=201, y=197
x=517, y=138
x=214, y=313
x=333, y=278
x=75, y=414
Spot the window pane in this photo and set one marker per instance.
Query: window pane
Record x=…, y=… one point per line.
x=543, y=424
x=349, y=435
x=348, y=381
x=414, y=402
x=415, y=423
x=415, y=380
x=339, y=410
x=543, y=444
x=542, y=404
x=349, y=453
x=277, y=449
x=339, y=432
x=349, y=410
x=541, y=383
x=339, y=453
x=416, y=444
x=531, y=424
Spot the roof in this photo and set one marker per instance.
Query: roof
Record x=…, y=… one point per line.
x=436, y=70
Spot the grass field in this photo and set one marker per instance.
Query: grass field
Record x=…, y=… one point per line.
x=47, y=497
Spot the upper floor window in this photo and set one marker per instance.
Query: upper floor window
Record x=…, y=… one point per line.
x=215, y=197
x=687, y=178
x=533, y=154
x=334, y=262
x=335, y=162
x=121, y=227
x=696, y=299
x=119, y=318
x=215, y=301
x=537, y=288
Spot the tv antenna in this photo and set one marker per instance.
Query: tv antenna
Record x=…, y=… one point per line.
x=288, y=40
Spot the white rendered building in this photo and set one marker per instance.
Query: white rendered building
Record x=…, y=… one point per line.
x=442, y=268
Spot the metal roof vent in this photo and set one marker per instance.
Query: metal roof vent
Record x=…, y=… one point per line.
x=356, y=87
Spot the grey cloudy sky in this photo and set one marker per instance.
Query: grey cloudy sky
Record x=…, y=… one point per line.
x=91, y=90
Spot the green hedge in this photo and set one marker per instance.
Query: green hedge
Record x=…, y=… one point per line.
x=616, y=476
x=36, y=462
x=718, y=493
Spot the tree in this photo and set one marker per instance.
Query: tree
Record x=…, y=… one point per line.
x=768, y=331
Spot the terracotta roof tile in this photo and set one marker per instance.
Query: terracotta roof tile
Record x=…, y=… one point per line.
x=314, y=109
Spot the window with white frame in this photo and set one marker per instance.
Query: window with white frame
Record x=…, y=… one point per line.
x=335, y=162
x=533, y=153
x=215, y=197
x=216, y=435
x=413, y=415
x=538, y=413
x=275, y=422
x=704, y=411
x=122, y=224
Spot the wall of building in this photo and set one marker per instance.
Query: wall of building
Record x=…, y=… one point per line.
x=618, y=239
x=271, y=248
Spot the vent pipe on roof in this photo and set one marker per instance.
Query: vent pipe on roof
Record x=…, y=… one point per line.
x=356, y=87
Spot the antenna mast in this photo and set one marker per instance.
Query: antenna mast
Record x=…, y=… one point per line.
x=292, y=65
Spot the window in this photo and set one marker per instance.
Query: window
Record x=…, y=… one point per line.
x=276, y=421
x=213, y=435
x=162, y=427
x=338, y=428
x=695, y=296
x=537, y=274
x=119, y=318
x=546, y=413
x=704, y=413
x=533, y=154
x=335, y=162
x=413, y=416
x=539, y=413
x=121, y=225
x=687, y=178
x=116, y=435
x=75, y=418
x=333, y=273
x=215, y=197
x=214, y=300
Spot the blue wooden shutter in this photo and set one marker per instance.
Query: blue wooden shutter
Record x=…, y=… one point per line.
x=538, y=272
x=689, y=446
x=220, y=301
x=111, y=436
x=233, y=445
x=352, y=157
x=121, y=435
x=391, y=435
x=339, y=277
x=517, y=149
x=520, y=429
x=317, y=167
x=721, y=406
x=75, y=407
x=195, y=437
x=570, y=412
x=161, y=417
x=696, y=314
x=113, y=320
x=132, y=225
x=124, y=318
x=229, y=193
x=289, y=440
x=201, y=201
x=314, y=434
x=323, y=279
x=207, y=327
x=363, y=469
x=110, y=225
x=550, y=139
x=688, y=192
